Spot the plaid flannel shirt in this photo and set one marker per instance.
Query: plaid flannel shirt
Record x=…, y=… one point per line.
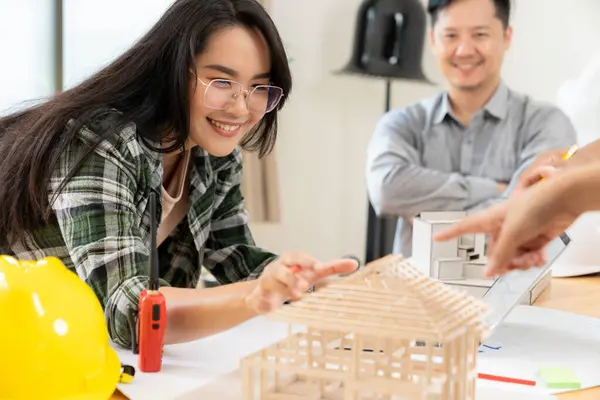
x=101, y=223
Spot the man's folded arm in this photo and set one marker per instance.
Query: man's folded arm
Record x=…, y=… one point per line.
x=399, y=184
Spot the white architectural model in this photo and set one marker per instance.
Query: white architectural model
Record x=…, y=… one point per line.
x=459, y=261
x=386, y=332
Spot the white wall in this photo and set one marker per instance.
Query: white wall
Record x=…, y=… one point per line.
x=329, y=119
x=95, y=33
x=26, y=66
x=564, y=40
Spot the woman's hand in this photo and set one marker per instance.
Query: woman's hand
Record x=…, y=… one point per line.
x=291, y=275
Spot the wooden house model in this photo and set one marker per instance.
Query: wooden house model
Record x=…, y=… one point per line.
x=385, y=332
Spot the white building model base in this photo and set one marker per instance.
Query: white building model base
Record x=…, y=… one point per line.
x=459, y=262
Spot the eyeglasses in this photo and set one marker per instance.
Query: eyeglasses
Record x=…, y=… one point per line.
x=222, y=93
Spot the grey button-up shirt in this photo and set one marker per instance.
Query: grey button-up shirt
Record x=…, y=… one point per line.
x=421, y=158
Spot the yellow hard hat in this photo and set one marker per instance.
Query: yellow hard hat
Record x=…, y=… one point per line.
x=53, y=338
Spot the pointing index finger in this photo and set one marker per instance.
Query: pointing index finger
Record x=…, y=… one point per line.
x=487, y=221
x=336, y=267
x=476, y=223
x=501, y=255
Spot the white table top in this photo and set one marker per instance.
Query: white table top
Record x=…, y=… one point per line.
x=208, y=368
x=188, y=366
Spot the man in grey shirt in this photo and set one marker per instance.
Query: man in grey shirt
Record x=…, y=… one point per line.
x=461, y=149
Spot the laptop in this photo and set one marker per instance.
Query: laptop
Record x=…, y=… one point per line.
x=508, y=289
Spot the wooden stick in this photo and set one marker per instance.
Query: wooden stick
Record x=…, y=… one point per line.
x=247, y=379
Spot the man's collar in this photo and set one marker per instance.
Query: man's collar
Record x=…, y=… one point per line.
x=496, y=106
x=442, y=109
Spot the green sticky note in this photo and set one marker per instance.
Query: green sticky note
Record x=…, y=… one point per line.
x=559, y=378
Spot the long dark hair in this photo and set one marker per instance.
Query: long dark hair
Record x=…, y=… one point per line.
x=148, y=84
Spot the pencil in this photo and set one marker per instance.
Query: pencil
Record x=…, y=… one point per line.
x=296, y=268
x=570, y=153
x=506, y=379
x=572, y=150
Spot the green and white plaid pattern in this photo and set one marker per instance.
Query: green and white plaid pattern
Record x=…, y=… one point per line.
x=101, y=223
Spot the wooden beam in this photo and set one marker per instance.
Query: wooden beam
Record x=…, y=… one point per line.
x=370, y=328
x=364, y=300
x=363, y=313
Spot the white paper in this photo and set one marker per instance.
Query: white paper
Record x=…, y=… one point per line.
x=529, y=337
x=533, y=337
x=229, y=387
x=189, y=366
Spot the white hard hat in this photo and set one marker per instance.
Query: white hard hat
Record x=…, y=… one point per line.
x=582, y=255
x=579, y=98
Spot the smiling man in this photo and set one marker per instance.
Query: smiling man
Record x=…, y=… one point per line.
x=461, y=149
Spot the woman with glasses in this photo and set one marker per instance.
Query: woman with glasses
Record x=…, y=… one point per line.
x=167, y=117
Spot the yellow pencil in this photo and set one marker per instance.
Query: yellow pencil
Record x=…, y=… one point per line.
x=570, y=153
x=572, y=150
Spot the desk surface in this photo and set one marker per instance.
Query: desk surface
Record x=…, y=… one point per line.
x=580, y=296
x=576, y=295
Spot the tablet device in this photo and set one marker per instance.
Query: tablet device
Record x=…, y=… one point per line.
x=508, y=289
